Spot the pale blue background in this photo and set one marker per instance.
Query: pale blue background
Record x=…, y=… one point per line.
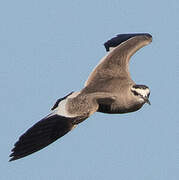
x=48, y=49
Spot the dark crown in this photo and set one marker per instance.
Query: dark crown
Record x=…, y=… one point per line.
x=140, y=86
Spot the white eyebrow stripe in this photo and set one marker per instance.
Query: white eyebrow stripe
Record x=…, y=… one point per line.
x=143, y=92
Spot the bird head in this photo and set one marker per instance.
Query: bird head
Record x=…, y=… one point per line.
x=141, y=92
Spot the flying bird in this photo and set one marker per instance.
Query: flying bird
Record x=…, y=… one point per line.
x=108, y=89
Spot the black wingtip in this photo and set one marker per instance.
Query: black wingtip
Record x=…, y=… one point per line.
x=11, y=156
x=41, y=135
x=122, y=38
x=12, y=159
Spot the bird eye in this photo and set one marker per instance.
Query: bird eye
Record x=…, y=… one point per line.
x=135, y=93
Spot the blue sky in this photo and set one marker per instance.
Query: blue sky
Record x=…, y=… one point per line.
x=48, y=49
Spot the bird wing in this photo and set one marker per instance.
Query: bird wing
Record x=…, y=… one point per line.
x=115, y=63
x=43, y=133
x=58, y=123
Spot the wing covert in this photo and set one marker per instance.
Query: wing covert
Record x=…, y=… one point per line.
x=115, y=63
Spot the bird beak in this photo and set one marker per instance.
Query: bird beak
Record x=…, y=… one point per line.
x=146, y=100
